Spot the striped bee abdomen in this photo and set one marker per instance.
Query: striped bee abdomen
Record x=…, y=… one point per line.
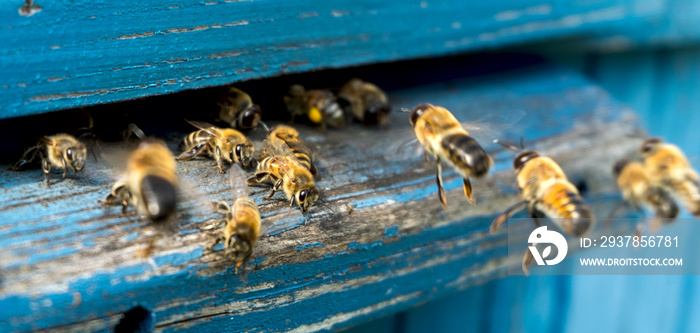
x=689, y=193
x=194, y=139
x=245, y=209
x=662, y=203
x=466, y=154
x=562, y=202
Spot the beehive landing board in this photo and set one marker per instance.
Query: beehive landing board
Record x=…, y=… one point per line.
x=70, y=264
x=79, y=53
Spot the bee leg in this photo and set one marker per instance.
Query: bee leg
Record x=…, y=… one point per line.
x=210, y=247
x=427, y=158
x=216, y=224
x=274, y=189
x=608, y=221
x=220, y=163
x=257, y=179
x=468, y=191
x=640, y=228
x=47, y=169
x=190, y=154
x=510, y=211
x=26, y=158
x=242, y=264
x=125, y=203
x=221, y=206
x=441, y=190
x=527, y=261
x=65, y=167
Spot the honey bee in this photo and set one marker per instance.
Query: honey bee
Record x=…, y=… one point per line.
x=639, y=190
x=225, y=145
x=242, y=223
x=238, y=110
x=149, y=181
x=62, y=151
x=320, y=106
x=442, y=136
x=668, y=166
x=289, y=136
x=545, y=190
x=282, y=170
x=365, y=101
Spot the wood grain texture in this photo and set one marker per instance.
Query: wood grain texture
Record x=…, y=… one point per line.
x=70, y=264
x=73, y=54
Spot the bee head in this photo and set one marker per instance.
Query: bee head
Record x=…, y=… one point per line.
x=76, y=156
x=238, y=248
x=649, y=145
x=296, y=90
x=619, y=166
x=377, y=114
x=243, y=152
x=418, y=111
x=250, y=117
x=233, y=92
x=522, y=158
x=159, y=197
x=306, y=198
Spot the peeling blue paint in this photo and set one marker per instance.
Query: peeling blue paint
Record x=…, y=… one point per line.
x=308, y=246
x=392, y=231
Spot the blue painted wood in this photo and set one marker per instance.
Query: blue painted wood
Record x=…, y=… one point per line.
x=72, y=264
x=77, y=54
x=658, y=84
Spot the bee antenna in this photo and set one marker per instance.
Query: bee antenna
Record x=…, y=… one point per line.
x=323, y=202
x=137, y=131
x=267, y=129
x=509, y=145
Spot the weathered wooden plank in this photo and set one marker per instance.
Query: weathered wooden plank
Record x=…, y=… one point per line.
x=70, y=264
x=76, y=54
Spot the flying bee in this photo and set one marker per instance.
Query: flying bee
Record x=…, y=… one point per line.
x=242, y=223
x=365, y=101
x=668, y=166
x=282, y=170
x=639, y=190
x=238, y=110
x=442, y=136
x=290, y=137
x=62, y=151
x=320, y=106
x=545, y=190
x=149, y=181
x=225, y=145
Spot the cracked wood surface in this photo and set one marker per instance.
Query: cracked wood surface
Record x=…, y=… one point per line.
x=80, y=53
x=69, y=264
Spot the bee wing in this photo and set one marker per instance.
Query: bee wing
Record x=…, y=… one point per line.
x=405, y=146
x=280, y=150
x=286, y=219
x=115, y=156
x=282, y=154
x=205, y=127
x=238, y=181
x=494, y=126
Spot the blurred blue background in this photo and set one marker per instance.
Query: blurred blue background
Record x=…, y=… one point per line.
x=663, y=86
